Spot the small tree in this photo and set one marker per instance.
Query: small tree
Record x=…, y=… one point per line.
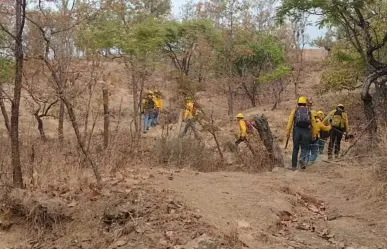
x=362, y=24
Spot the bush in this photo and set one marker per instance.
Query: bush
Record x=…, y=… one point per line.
x=181, y=152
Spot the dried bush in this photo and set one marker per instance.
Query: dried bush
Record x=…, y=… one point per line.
x=182, y=152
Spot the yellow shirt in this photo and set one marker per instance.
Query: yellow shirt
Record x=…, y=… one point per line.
x=242, y=128
x=345, y=124
x=158, y=102
x=289, y=126
x=319, y=127
x=188, y=112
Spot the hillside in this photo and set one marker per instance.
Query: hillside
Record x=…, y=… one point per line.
x=150, y=205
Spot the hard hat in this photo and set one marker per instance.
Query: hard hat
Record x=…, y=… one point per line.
x=302, y=100
x=157, y=91
x=340, y=105
x=320, y=113
x=240, y=115
x=149, y=92
x=188, y=98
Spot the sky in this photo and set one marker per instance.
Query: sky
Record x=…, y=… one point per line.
x=312, y=31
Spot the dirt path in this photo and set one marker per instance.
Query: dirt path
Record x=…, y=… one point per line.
x=312, y=209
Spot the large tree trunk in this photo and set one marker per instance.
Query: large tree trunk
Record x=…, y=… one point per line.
x=19, y=26
x=269, y=141
x=369, y=109
x=105, y=96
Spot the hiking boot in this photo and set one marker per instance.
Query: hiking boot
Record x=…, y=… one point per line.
x=302, y=164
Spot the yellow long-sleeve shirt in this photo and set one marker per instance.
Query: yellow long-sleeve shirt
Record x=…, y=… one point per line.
x=158, y=102
x=289, y=126
x=319, y=127
x=188, y=111
x=242, y=128
x=345, y=123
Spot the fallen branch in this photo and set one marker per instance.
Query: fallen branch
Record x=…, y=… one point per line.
x=357, y=140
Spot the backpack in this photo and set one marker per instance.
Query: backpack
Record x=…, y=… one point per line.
x=337, y=119
x=250, y=129
x=149, y=104
x=303, y=117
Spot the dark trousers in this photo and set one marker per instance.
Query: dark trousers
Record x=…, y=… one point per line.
x=240, y=140
x=301, y=138
x=335, y=141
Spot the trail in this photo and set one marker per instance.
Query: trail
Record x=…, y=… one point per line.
x=322, y=212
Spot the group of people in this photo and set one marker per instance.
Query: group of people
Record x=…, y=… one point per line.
x=311, y=130
x=151, y=106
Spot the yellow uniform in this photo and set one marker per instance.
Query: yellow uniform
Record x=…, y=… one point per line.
x=188, y=111
x=158, y=102
x=344, y=124
x=289, y=126
x=242, y=128
x=319, y=126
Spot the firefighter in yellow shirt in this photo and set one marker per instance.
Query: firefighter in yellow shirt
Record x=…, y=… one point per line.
x=316, y=131
x=302, y=122
x=340, y=126
x=242, y=129
x=189, y=118
x=157, y=98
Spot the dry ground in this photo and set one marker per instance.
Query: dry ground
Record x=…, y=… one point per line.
x=330, y=205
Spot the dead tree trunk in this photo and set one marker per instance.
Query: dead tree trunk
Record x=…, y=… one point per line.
x=269, y=141
x=105, y=95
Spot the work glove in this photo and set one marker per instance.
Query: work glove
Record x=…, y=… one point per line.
x=287, y=134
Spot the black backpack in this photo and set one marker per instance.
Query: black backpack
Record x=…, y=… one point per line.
x=303, y=117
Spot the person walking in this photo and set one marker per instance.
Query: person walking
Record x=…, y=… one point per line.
x=302, y=122
x=316, y=131
x=147, y=109
x=324, y=135
x=189, y=117
x=242, y=129
x=157, y=99
x=340, y=125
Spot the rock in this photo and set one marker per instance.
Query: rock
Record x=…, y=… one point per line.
x=163, y=242
x=202, y=242
x=243, y=224
x=119, y=243
x=169, y=234
x=72, y=204
x=5, y=225
x=275, y=170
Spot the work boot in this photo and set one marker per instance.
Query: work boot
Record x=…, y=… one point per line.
x=302, y=164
